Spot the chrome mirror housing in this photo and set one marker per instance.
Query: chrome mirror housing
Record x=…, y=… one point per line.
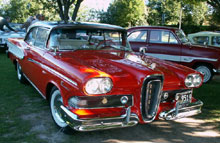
x=54, y=49
x=143, y=50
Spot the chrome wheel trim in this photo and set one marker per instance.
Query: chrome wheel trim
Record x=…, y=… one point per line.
x=206, y=72
x=55, y=102
x=19, y=74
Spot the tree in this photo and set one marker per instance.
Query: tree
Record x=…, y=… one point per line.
x=18, y=11
x=168, y=9
x=195, y=14
x=168, y=12
x=216, y=10
x=63, y=7
x=87, y=14
x=125, y=13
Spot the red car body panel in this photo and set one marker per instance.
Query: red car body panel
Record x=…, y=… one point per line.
x=69, y=71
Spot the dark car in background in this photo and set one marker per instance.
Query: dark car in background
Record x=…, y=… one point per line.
x=171, y=44
x=4, y=35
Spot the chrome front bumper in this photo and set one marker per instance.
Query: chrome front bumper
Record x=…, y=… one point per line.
x=126, y=120
x=176, y=113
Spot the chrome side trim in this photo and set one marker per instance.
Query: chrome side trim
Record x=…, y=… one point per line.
x=19, y=53
x=122, y=106
x=53, y=71
x=126, y=120
x=176, y=113
x=187, y=59
x=34, y=86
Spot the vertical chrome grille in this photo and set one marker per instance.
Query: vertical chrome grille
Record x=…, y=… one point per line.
x=150, y=97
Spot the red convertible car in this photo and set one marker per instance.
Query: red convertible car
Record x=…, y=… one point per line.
x=94, y=81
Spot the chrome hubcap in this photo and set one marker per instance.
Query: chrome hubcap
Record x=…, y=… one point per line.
x=56, y=101
x=19, y=71
x=205, y=71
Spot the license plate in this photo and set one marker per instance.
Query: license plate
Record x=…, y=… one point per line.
x=184, y=97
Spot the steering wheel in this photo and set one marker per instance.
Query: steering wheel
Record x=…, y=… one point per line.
x=100, y=45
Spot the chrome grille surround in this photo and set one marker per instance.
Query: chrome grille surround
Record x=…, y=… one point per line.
x=151, y=96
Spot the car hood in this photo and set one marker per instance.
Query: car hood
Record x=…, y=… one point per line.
x=12, y=34
x=128, y=65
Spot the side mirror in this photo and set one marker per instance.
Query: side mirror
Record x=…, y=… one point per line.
x=54, y=49
x=205, y=43
x=143, y=50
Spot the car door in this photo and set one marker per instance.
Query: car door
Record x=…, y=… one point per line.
x=138, y=39
x=163, y=44
x=37, y=48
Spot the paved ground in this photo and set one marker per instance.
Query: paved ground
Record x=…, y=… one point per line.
x=187, y=130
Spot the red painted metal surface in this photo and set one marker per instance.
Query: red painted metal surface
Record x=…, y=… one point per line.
x=63, y=69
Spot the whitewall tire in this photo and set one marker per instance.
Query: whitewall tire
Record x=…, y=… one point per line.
x=55, y=102
x=206, y=71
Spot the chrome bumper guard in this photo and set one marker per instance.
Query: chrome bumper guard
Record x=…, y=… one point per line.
x=176, y=113
x=126, y=120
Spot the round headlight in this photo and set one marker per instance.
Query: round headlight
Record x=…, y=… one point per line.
x=193, y=80
x=98, y=86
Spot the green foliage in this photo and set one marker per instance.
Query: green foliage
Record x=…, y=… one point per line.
x=169, y=8
x=20, y=10
x=87, y=15
x=215, y=4
x=193, y=12
x=125, y=13
x=188, y=29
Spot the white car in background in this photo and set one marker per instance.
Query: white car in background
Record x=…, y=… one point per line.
x=4, y=35
x=205, y=38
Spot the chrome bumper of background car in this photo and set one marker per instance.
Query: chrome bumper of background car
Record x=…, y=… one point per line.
x=126, y=120
x=175, y=113
x=216, y=71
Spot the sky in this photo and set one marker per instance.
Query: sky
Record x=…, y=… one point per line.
x=97, y=4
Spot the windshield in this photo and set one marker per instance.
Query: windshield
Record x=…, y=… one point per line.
x=80, y=39
x=182, y=36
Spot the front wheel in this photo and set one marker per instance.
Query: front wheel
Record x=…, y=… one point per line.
x=206, y=71
x=55, y=102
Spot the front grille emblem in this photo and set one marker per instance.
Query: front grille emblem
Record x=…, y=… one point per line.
x=104, y=100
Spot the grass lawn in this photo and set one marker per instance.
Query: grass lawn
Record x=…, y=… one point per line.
x=25, y=115
x=210, y=95
x=15, y=102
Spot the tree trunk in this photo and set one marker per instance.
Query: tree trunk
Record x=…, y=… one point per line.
x=60, y=9
x=76, y=9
